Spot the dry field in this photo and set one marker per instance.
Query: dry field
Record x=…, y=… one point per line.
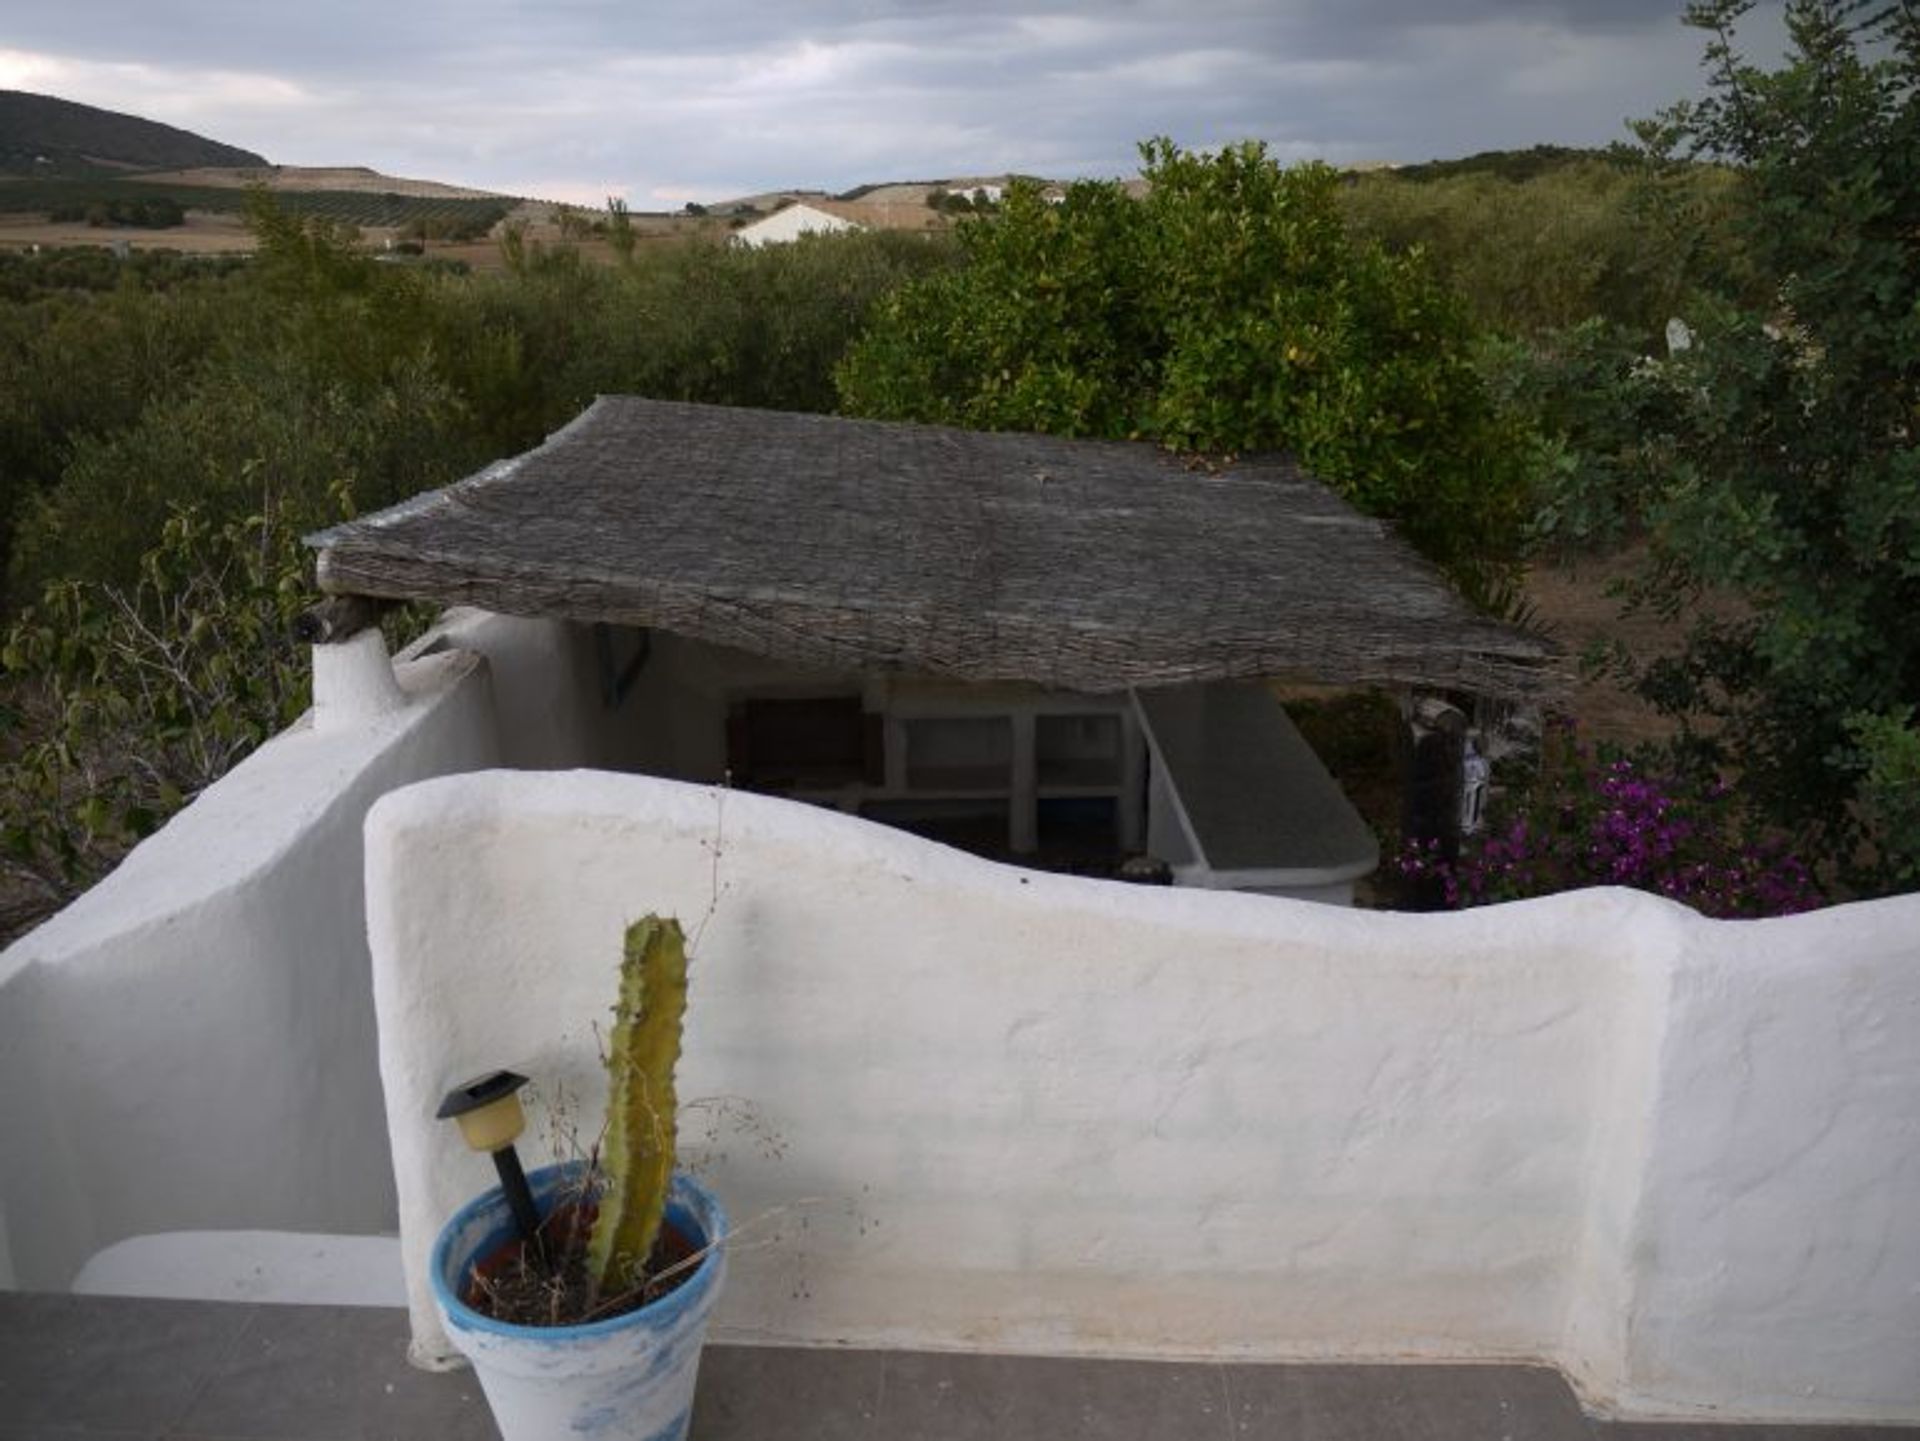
x=901, y=194
x=893, y=215
x=205, y=233
x=312, y=178
x=213, y=233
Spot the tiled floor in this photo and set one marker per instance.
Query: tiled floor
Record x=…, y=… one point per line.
x=110, y=1369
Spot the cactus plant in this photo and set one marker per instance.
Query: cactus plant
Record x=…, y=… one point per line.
x=636, y=1159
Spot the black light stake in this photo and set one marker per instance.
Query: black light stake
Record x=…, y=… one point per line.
x=488, y=1110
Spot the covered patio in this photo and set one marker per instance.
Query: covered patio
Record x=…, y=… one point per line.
x=1037, y=649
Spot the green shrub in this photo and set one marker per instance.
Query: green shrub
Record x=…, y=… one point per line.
x=1614, y=239
x=131, y=699
x=1229, y=311
x=1795, y=483
x=261, y=435
x=1605, y=411
x=164, y=444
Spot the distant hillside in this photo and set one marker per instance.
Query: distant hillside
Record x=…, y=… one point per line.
x=313, y=179
x=1515, y=165
x=44, y=136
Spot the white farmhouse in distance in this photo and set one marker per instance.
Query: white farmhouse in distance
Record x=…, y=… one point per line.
x=790, y=222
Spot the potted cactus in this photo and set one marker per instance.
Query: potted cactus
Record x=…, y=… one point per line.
x=581, y=1294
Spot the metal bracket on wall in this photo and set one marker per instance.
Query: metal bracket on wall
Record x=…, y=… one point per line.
x=616, y=678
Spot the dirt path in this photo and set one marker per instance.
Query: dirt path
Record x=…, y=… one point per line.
x=1574, y=605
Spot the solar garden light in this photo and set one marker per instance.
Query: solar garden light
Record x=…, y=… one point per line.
x=491, y=1119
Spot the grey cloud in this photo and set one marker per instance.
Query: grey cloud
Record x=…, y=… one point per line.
x=710, y=97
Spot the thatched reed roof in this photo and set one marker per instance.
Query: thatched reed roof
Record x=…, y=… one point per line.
x=1082, y=565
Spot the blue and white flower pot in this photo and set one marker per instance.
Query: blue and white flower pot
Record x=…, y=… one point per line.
x=629, y=1377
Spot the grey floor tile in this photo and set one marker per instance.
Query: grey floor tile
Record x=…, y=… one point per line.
x=768, y=1393
x=1501, y=1403
x=1315, y=1403
x=1402, y=1403
x=319, y=1373
x=942, y=1397
x=80, y=1368
x=1693, y=1431
x=107, y=1363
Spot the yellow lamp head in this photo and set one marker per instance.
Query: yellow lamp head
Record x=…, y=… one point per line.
x=488, y=1110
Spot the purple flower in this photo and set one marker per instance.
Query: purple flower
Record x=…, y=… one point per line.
x=1615, y=821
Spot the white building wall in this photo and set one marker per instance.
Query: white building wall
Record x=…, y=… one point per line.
x=549, y=689
x=1783, y=1164
x=680, y=700
x=1046, y=1114
x=190, y=1045
x=679, y=708
x=789, y=224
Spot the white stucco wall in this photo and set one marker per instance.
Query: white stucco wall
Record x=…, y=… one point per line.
x=548, y=690
x=680, y=701
x=1679, y=1158
x=1674, y=1156
x=1782, y=1193
x=190, y=1045
x=789, y=224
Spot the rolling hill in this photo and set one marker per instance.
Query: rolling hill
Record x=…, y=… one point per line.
x=43, y=136
x=63, y=164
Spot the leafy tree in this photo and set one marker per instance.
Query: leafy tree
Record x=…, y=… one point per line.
x=252, y=434
x=1606, y=412
x=167, y=434
x=320, y=370
x=85, y=358
x=572, y=224
x=1229, y=311
x=152, y=213
x=128, y=700
x=1795, y=483
x=620, y=232
x=1591, y=237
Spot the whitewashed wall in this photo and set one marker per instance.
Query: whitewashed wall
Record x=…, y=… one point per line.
x=190, y=1045
x=1679, y=1158
x=1674, y=1156
x=788, y=224
x=549, y=707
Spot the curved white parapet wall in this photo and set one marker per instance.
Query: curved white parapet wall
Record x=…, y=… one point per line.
x=985, y=1108
x=286, y=1267
x=190, y=1045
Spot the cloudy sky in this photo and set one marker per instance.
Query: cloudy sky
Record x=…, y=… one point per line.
x=664, y=101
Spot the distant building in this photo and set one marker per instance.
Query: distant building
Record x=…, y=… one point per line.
x=791, y=222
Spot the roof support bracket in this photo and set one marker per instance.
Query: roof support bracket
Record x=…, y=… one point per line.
x=617, y=679
x=338, y=618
